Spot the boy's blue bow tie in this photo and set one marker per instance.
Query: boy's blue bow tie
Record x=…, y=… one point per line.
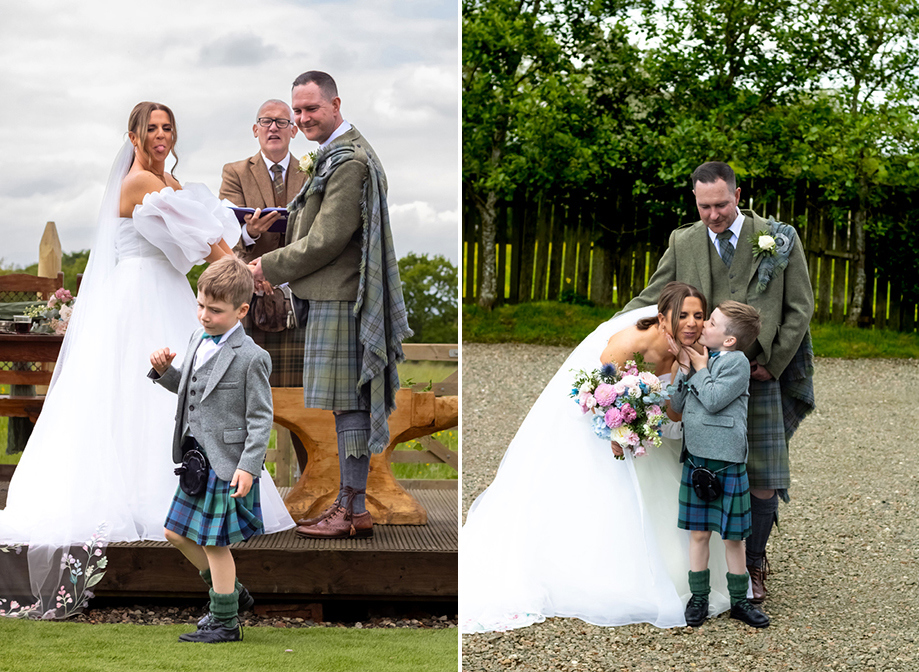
x=713, y=353
x=216, y=337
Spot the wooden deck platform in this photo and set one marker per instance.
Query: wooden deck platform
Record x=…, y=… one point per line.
x=400, y=562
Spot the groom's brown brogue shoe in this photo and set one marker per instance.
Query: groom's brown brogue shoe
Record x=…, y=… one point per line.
x=308, y=522
x=746, y=612
x=696, y=610
x=340, y=525
x=758, y=581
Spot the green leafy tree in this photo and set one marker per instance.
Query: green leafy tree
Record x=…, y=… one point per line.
x=431, y=290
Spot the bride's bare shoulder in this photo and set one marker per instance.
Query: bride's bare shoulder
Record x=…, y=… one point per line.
x=623, y=344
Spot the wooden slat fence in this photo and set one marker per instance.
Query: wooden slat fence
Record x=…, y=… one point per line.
x=607, y=249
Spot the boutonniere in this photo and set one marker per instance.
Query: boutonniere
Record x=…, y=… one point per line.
x=764, y=244
x=307, y=163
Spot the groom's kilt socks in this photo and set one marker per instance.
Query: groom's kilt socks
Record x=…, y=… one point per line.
x=729, y=515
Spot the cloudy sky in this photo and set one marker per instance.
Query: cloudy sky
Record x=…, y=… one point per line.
x=70, y=73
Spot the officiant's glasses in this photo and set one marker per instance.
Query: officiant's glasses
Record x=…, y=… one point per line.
x=267, y=121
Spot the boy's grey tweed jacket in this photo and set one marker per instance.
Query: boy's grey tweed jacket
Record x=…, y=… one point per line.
x=713, y=402
x=232, y=417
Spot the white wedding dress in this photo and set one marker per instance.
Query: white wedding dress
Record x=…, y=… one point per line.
x=567, y=530
x=99, y=460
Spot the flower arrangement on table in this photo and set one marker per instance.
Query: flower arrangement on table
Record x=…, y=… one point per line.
x=54, y=317
x=627, y=405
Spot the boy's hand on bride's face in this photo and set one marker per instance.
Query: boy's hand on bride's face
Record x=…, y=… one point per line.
x=161, y=360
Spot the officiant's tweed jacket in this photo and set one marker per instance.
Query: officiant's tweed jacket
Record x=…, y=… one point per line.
x=248, y=184
x=322, y=258
x=232, y=415
x=713, y=402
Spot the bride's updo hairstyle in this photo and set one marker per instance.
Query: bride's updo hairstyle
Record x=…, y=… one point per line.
x=671, y=300
x=140, y=119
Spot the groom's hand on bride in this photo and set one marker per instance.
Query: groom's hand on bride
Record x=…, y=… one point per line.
x=242, y=481
x=161, y=360
x=256, y=225
x=261, y=284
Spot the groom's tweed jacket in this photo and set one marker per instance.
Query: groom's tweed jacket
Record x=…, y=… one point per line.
x=226, y=404
x=322, y=258
x=713, y=402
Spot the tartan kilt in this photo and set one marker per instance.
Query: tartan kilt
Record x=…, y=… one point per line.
x=730, y=516
x=768, y=466
x=213, y=518
x=286, y=351
x=332, y=358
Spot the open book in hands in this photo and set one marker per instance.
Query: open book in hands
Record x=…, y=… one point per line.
x=280, y=226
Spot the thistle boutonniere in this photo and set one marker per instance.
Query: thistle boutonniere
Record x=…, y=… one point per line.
x=764, y=244
x=307, y=163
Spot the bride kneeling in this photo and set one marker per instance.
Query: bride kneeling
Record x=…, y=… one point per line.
x=567, y=530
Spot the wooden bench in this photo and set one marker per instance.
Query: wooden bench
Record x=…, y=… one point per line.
x=25, y=360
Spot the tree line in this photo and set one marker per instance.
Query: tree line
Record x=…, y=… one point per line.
x=617, y=101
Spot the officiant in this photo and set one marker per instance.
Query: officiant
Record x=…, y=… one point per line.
x=269, y=179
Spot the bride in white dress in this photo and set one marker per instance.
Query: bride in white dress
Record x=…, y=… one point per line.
x=98, y=467
x=567, y=530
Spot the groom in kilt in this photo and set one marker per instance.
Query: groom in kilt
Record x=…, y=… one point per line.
x=734, y=254
x=343, y=274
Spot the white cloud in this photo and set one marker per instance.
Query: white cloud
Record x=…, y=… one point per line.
x=69, y=87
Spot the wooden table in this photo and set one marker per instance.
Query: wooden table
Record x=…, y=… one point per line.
x=26, y=348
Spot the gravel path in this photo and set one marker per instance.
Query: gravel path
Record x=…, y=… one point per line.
x=844, y=588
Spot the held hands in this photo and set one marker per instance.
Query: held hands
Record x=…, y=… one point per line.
x=256, y=225
x=261, y=284
x=759, y=372
x=242, y=481
x=161, y=360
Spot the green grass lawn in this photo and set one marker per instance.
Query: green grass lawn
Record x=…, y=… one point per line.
x=553, y=323
x=41, y=646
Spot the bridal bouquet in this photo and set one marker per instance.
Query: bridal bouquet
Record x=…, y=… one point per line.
x=53, y=317
x=627, y=406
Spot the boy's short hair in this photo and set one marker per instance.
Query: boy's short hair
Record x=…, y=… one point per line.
x=228, y=279
x=742, y=322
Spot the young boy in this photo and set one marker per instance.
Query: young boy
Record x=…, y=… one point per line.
x=712, y=394
x=225, y=412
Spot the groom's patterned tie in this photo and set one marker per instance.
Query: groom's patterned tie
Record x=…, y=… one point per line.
x=725, y=249
x=278, y=181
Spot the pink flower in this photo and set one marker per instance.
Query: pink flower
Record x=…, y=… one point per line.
x=605, y=394
x=640, y=449
x=628, y=413
x=613, y=417
x=633, y=439
x=654, y=410
x=63, y=295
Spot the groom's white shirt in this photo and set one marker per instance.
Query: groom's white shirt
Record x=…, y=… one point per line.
x=343, y=128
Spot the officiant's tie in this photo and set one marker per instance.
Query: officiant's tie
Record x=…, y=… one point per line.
x=725, y=249
x=278, y=181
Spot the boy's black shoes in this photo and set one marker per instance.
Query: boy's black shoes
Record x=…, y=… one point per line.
x=215, y=632
x=697, y=611
x=746, y=612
